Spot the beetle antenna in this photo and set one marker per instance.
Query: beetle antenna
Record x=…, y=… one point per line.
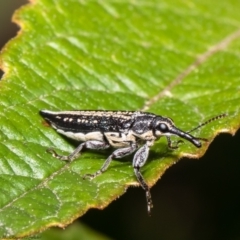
x=209, y=121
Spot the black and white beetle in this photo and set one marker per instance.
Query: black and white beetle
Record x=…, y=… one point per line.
x=127, y=131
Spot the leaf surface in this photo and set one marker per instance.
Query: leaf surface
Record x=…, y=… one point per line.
x=172, y=58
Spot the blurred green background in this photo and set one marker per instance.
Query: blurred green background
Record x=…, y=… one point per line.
x=195, y=199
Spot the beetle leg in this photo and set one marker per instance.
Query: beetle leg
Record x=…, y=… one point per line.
x=93, y=144
x=139, y=160
x=172, y=145
x=119, y=153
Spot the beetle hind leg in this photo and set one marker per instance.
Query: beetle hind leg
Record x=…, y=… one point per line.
x=93, y=144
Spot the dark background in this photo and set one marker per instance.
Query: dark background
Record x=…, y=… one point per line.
x=195, y=199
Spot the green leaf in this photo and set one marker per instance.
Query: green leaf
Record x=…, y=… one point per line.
x=174, y=58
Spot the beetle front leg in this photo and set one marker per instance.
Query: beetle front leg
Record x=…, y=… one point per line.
x=119, y=153
x=172, y=145
x=93, y=144
x=139, y=160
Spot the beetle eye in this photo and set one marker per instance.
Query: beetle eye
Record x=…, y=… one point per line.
x=163, y=127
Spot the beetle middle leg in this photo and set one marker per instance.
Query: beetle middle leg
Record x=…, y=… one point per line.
x=93, y=144
x=119, y=153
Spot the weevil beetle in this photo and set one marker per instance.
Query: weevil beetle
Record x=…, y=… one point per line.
x=127, y=131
